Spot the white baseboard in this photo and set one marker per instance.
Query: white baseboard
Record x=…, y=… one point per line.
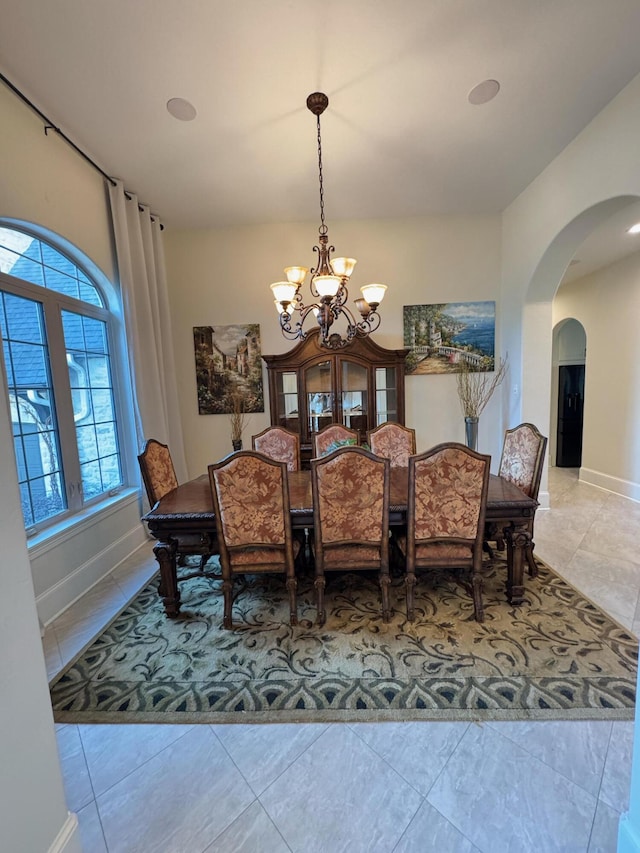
x=51, y=603
x=544, y=500
x=68, y=839
x=618, y=486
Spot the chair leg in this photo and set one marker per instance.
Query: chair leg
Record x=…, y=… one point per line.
x=227, y=590
x=531, y=562
x=385, y=580
x=409, y=583
x=292, y=586
x=478, y=607
x=319, y=584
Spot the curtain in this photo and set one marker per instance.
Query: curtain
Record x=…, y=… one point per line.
x=147, y=319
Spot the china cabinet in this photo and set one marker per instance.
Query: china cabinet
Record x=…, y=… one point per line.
x=310, y=387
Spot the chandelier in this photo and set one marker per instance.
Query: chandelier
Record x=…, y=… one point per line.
x=328, y=281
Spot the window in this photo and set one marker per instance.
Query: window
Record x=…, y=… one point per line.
x=55, y=333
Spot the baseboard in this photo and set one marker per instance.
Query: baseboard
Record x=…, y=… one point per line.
x=68, y=839
x=618, y=486
x=55, y=600
x=544, y=500
x=628, y=838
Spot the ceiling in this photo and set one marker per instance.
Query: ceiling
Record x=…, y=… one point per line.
x=400, y=137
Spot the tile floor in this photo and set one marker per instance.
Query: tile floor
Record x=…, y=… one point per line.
x=376, y=788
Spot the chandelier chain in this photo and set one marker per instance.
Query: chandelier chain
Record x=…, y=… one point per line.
x=328, y=288
x=323, y=227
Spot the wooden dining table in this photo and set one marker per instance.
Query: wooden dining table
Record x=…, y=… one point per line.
x=185, y=518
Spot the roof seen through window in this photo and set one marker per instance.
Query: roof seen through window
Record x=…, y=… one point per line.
x=31, y=259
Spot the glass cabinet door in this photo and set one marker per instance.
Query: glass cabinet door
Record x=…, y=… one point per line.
x=355, y=396
x=386, y=395
x=287, y=402
x=320, y=399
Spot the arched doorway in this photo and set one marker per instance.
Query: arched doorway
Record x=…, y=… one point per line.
x=567, y=394
x=537, y=350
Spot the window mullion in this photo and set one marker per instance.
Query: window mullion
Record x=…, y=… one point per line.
x=64, y=405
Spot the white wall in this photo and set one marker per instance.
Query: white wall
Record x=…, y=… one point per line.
x=596, y=174
x=33, y=815
x=44, y=182
x=607, y=304
x=222, y=276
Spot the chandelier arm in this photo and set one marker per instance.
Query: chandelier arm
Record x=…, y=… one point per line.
x=340, y=299
x=368, y=324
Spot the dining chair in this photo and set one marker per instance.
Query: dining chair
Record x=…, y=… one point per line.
x=251, y=501
x=332, y=437
x=158, y=473
x=159, y=478
x=446, y=507
x=350, y=488
x=521, y=463
x=394, y=442
x=280, y=444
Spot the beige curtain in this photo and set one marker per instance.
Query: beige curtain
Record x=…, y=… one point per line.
x=147, y=319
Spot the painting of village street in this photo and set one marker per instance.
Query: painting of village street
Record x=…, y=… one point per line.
x=228, y=366
x=443, y=336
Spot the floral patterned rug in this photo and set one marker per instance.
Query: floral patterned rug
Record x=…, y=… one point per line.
x=557, y=656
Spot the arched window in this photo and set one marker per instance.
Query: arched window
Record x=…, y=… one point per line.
x=55, y=331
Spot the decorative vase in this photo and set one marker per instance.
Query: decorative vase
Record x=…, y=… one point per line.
x=471, y=433
x=237, y=444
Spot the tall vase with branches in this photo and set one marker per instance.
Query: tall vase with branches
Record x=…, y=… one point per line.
x=237, y=419
x=475, y=389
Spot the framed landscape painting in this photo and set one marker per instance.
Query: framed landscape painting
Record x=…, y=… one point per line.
x=443, y=336
x=228, y=365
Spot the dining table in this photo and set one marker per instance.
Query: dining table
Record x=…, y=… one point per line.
x=185, y=517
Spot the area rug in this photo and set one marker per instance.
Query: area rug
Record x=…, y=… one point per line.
x=557, y=656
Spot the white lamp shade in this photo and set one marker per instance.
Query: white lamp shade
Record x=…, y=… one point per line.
x=295, y=274
x=327, y=285
x=284, y=291
x=343, y=266
x=373, y=293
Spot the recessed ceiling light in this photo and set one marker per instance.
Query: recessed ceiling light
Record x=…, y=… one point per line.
x=635, y=229
x=181, y=109
x=483, y=92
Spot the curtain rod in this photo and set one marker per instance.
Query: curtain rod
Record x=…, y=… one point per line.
x=49, y=125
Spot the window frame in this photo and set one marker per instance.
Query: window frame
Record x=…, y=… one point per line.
x=53, y=304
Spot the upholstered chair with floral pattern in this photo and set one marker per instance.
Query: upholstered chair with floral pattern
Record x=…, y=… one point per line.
x=336, y=435
x=251, y=502
x=394, y=442
x=158, y=473
x=445, y=516
x=280, y=444
x=351, y=518
x=521, y=463
x=159, y=478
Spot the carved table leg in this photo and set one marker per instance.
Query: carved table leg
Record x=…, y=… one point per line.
x=518, y=538
x=166, y=556
x=319, y=584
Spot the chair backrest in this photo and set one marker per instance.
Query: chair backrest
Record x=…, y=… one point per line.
x=522, y=458
x=351, y=498
x=394, y=442
x=251, y=501
x=158, y=473
x=447, y=500
x=280, y=444
x=334, y=434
